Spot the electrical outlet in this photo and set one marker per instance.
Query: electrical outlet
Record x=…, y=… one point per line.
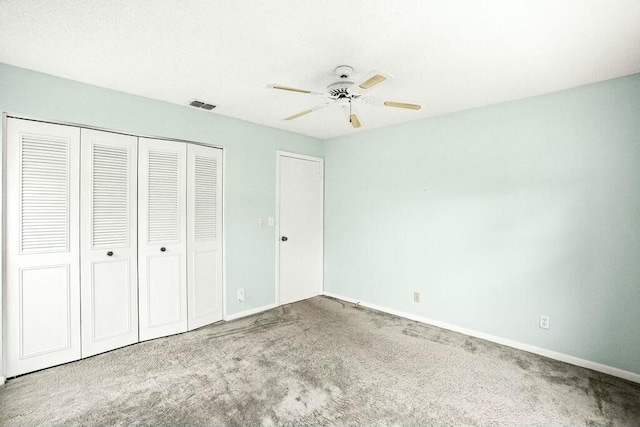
x=416, y=297
x=241, y=295
x=544, y=321
x=261, y=221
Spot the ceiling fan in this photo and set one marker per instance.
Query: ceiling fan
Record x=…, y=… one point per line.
x=346, y=92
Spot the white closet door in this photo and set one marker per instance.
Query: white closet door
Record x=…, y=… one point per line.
x=109, y=267
x=162, y=243
x=204, y=230
x=42, y=253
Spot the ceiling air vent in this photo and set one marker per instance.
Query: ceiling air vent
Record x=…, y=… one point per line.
x=202, y=105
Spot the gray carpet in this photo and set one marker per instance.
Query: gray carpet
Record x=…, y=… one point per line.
x=319, y=362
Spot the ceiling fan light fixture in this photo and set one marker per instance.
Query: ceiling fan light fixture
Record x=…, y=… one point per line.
x=354, y=121
x=292, y=89
x=402, y=105
x=295, y=116
x=372, y=81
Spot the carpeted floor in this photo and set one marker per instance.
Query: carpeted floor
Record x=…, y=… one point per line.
x=319, y=362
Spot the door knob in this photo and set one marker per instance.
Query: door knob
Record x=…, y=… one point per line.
x=284, y=238
x=109, y=253
x=163, y=249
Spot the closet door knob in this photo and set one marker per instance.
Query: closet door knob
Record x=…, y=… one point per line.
x=110, y=253
x=284, y=238
x=163, y=249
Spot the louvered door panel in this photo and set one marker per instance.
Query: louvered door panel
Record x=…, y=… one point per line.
x=44, y=194
x=42, y=252
x=163, y=196
x=205, y=194
x=109, y=241
x=204, y=230
x=111, y=188
x=162, y=238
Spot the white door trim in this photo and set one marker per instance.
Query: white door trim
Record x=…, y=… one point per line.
x=280, y=154
x=224, y=234
x=3, y=313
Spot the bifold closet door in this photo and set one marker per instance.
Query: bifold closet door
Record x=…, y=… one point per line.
x=108, y=241
x=204, y=231
x=42, y=251
x=162, y=242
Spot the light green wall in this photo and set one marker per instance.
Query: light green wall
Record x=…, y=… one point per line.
x=497, y=215
x=249, y=162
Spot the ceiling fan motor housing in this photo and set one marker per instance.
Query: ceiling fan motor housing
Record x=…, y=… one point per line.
x=339, y=90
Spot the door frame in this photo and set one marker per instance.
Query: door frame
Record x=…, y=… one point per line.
x=3, y=279
x=279, y=155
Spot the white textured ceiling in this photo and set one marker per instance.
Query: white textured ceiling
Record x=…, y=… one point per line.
x=449, y=55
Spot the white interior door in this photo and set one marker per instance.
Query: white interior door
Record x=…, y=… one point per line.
x=42, y=253
x=204, y=231
x=162, y=242
x=109, y=261
x=300, y=225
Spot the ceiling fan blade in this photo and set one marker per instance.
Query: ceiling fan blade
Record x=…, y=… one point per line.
x=407, y=105
x=369, y=81
x=397, y=104
x=296, y=115
x=355, y=122
x=310, y=110
x=295, y=89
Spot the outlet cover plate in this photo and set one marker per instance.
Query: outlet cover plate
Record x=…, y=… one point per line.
x=544, y=321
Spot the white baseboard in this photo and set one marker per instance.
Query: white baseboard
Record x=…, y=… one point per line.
x=249, y=312
x=610, y=370
x=2, y=380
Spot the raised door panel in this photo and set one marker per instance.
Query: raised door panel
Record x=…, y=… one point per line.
x=204, y=230
x=162, y=238
x=108, y=241
x=44, y=294
x=42, y=252
x=112, y=317
x=164, y=290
